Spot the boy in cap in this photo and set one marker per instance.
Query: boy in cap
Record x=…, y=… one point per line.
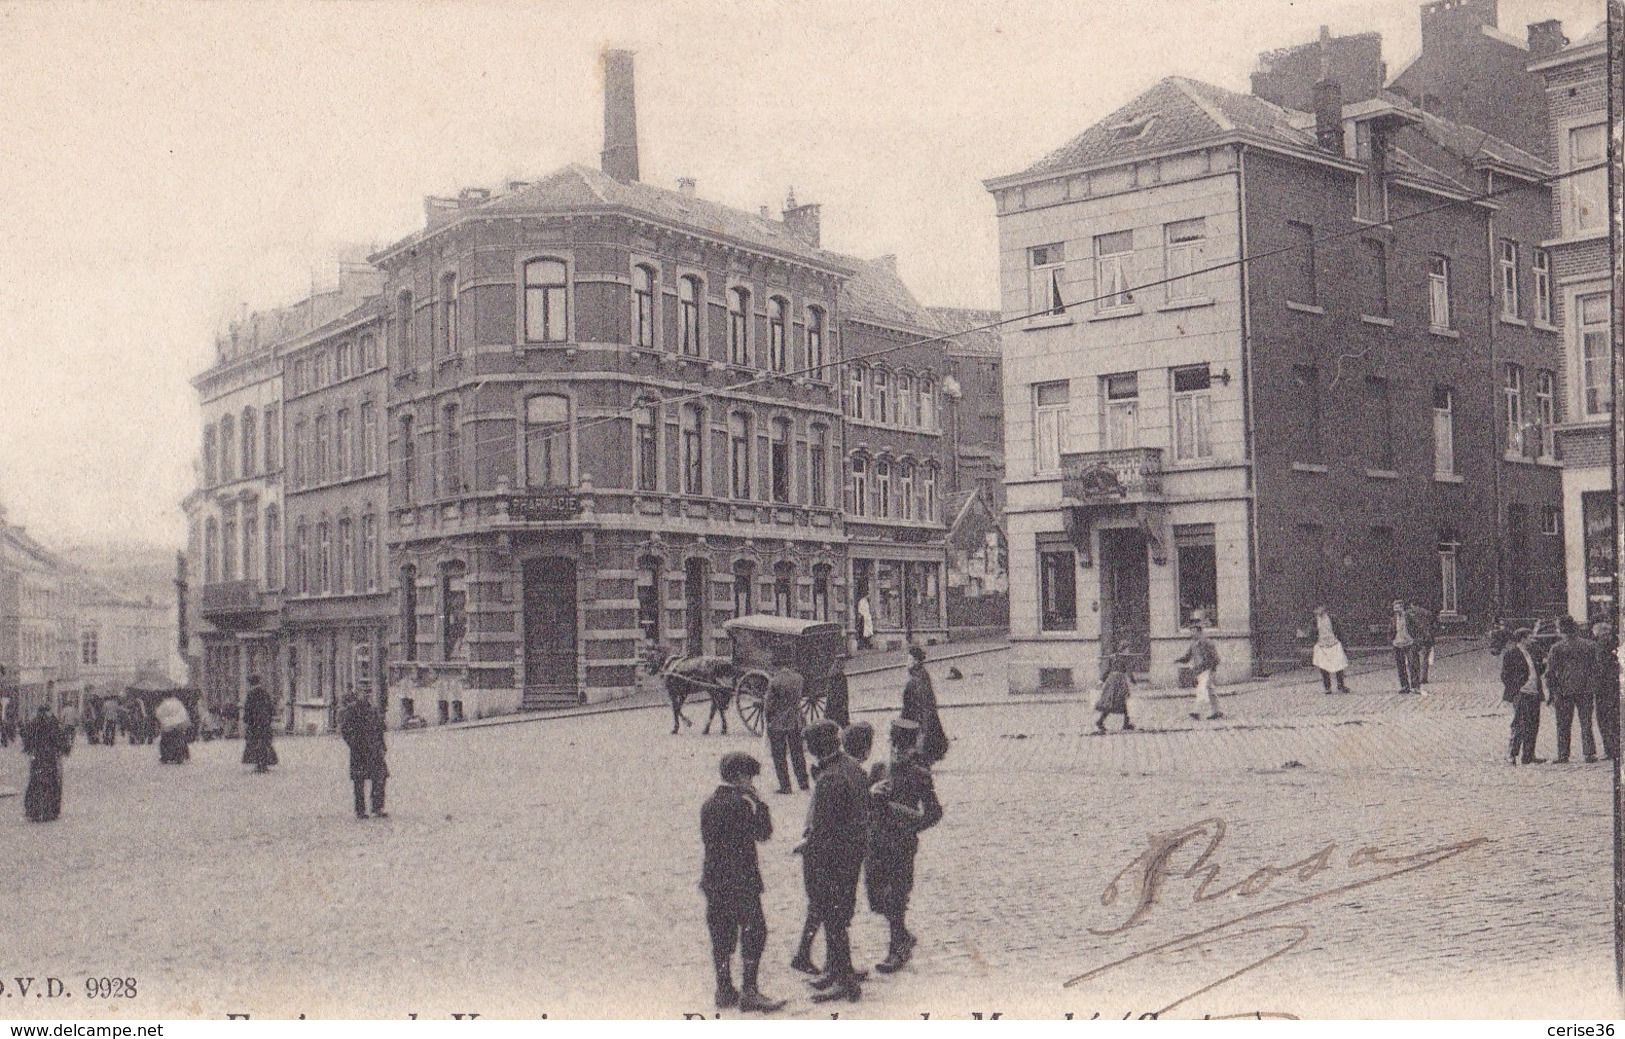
x=837, y=838
x=903, y=802
x=733, y=821
x=857, y=739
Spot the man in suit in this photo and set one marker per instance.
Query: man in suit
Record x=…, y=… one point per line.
x=1573, y=666
x=1403, y=639
x=782, y=705
x=1608, y=688
x=836, y=841
x=903, y=803
x=1424, y=626
x=1521, y=687
x=732, y=822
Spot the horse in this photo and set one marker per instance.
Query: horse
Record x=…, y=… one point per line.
x=689, y=676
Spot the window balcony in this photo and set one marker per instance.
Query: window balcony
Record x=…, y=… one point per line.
x=1105, y=477
x=241, y=599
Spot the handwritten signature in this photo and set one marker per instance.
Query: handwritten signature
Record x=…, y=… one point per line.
x=1152, y=870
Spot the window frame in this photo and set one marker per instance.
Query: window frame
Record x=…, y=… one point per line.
x=1444, y=431
x=645, y=306
x=1545, y=418
x=546, y=293
x=739, y=322
x=1057, y=574
x=447, y=330
x=1051, y=420
x=1594, y=395
x=1183, y=284
x=1113, y=268
x=1198, y=411
x=1540, y=272
x=1512, y=413
x=817, y=343
x=778, y=334
x=558, y=463
x=1305, y=265
x=1115, y=404
x=1439, y=293
x=1045, y=299
x=691, y=316
x=1507, y=265
x=740, y=442
x=691, y=426
x=1581, y=186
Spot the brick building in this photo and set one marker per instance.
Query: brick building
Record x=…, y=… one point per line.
x=1349, y=416
x=1581, y=303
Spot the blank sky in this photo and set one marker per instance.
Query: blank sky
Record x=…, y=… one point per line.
x=166, y=164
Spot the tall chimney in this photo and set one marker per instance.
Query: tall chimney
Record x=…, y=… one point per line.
x=802, y=221
x=619, y=158
x=1546, y=38
x=1328, y=100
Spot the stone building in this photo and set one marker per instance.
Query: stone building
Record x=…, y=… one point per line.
x=1262, y=367
x=36, y=622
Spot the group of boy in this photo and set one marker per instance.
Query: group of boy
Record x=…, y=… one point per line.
x=859, y=823
x=1578, y=676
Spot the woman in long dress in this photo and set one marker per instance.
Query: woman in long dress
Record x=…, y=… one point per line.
x=920, y=707
x=258, y=714
x=46, y=742
x=173, y=721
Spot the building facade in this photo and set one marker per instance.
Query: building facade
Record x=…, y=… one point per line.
x=37, y=662
x=1261, y=368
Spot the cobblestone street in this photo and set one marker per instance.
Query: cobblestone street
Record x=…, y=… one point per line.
x=550, y=867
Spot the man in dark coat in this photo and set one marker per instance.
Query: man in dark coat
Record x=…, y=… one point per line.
x=1521, y=687
x=258, y=715
x=1573, y=666
x=363, y=730
x=1424, y=627
x=902, y=803
x=857, y=739
x=783, y=709
x=836, y=840
x=920, y=707
x=46, y=742
x=732, y=822
x=1608, y=688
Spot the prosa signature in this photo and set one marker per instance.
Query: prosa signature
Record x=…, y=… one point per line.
x=1146, y=881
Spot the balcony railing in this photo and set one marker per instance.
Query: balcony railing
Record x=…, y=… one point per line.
x=1130, y=474
x=234, y=597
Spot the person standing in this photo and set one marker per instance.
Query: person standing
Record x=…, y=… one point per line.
x=1521, y=687
x=1424, y=627
x=857, y=740
x=1404, y=644
x=110, y=721
x=838, y=698
x=173, y=722
x=363, y=730
x=920, y=707
x=5, y=717
x=866, y=623
x=1573, y=667
x=1328, y=656
x=837, y=839
x=1607, y=688
x=258, y=714
x=46, y=741
x=903, y=804
x=1114, y=688
x=783, y=709
x=1203, y=658
x=733, y=821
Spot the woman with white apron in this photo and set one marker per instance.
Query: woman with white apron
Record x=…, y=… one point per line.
x=1328, y=655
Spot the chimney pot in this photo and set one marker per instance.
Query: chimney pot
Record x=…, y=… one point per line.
x=686, y=186
x=619, y=158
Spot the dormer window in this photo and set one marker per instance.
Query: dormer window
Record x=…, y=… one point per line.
x=1125, y=133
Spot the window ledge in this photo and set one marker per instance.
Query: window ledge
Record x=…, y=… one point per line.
x=1116, y=312
x=1188, y=303
x=1373, y=319
x=1305, y=308
x=1309, y=467
x=1448, y=478
x=1443, y=333
x=1507, y=319
x=1544, y=326
x=1382, y=474
x=1048, y=320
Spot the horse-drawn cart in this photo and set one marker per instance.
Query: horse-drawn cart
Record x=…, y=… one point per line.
x=763, y=644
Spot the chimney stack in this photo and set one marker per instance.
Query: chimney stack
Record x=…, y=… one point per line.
x=619, y=158
x=802, y=221
x=1546, y=38
x=1328, y=101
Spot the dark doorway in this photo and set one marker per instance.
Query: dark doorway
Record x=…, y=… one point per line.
x=694, y=608
x=1125, y=594
x=550, y=625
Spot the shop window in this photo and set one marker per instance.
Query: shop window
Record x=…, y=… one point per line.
x=1196, y=564
x=453, y=609
x=1057, y=588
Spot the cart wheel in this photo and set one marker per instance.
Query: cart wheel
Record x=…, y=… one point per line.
x=750, y=699
x=812, y=707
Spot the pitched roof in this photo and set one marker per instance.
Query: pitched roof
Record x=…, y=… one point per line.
x=877, y=294
x=969, y=328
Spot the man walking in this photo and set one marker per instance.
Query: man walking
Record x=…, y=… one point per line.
x=836, y=841
x=1573, y=668
x=1424, y=629
x=363, y=730
x=732, y=822
x=783, y=708
x=857, y=740
x=1203, y=658
x=903, y=803
x=1521, y=687
x=1404, y=643
x=258, y=715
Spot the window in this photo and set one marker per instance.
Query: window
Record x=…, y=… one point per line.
x=1444, y=431
x=1193, y=414
x=1306, y=383
x=688, y=315
x=369, y=438
x=779, y=461
x=646, y=450
x=928, y=494
x=818, y=463
x=547, y=441
x=451, y=439
x=301, y=560
x=345, y=571
x=448, y=315
x=343, y=362
x=1121, y=411
x=1185, y=249
x=409, y=452
x=1508, y=266
x=211, y=551
x=345, y=444
x=1057, y=588
x=1045, y=267
x=1596, y=373
x=228, y=448
x=273, y=548
x=739, y=455
x=882, y=395
x=1514, y=410
x=1300, y=258
x=324, y=559
x=299, y=457
x=1541, y=269
x=739, y=327
x=908, y=402
x=1449, y=599
x=857, y=488
x=210, y=455
x=453, y=609
x=409, y=612
x=250, y=455
x=1439, y=291
x=883, y=489
x=1374, y=253
x=273, y=439
x=693, y=449
x=778, y=343
x=546, y=313
x=1051, y=403
x=367, y=352
x=405, y=345
x=320, y=471
x=251, y=542
x=905, y=491
x=1380, y=415
x=854, y=399
x=228, y=546
x=88, y=646
x=817, y=356
x=366, y=575
x=744, y=577
x=1196, y=561
x=1587, y=194
x=820, y=592
x=1114, y=257
x=1543, y=429
x=643, y=306
x=1551, y=520
x=928, y=404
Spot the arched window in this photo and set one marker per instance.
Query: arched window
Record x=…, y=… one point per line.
x=855, y=397
x=784, y=589
x=688, y=315
x=857, y=486
x=343, y=444
x=249, y=426
x=453, y=609
x=301, y=560
x=366, y=560
x=906, y=405
x=320, y=471
x=546, y=313
x=928, y=403
x=228, y=545
x=646, y=446
x=905, y=491
x=744, y=577
x=882, y=395
x=779, y=460
x=448, y=314
x=739, y=454
x=273, y=438
x=346, y=558
x=778, y=343
x=368, y=359
x=817, y=356
x=211, y=551
x=693, y=449
x=409, y=456
x=273, y=548
x=451, y=451
x=883, y=489
x=251, y=541
x=405, y=344
x=820, y=592
x=211, y=457
x=409, y=612
x=547, y=441
x=739, y=327
x=643, y=306
x=928, y=494
x=228, y=448
x=342, y=353
x=818, y=466
x=324, y=559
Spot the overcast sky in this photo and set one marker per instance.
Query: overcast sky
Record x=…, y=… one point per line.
x=166, y=164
